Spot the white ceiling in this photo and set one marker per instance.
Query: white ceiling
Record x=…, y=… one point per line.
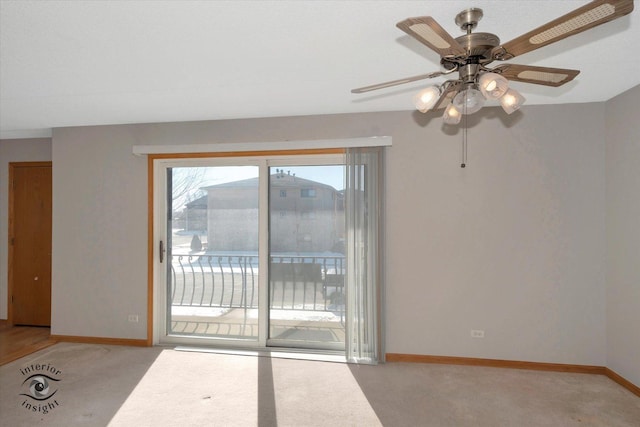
x=73, y=63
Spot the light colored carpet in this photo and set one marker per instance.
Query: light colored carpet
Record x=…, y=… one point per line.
x=124, y=386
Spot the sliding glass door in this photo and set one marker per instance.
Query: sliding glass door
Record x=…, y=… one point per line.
x=254, y=252
x=268, y=251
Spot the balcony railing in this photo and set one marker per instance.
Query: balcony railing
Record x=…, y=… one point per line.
x=305, y=283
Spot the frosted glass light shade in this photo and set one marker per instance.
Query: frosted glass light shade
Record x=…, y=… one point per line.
x=468, y=101
x=493, y=85
x=451, y=115
x=511, y=101
x=427, y=98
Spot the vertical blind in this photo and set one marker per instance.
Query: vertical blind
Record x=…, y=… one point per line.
x=363, y=204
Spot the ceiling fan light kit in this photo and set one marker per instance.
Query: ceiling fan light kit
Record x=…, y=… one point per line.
x=471, y=53
x=468, y=101
x=427, y=98
x=451, y=115
x=493, y=85
x=511, y=101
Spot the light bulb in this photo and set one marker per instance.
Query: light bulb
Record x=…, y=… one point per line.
x=493, y=85
x=468, y=101
x=426, y=98
x=451, y=115
x=511, y=101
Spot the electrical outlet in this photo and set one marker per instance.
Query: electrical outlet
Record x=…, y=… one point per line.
x=133, y=318
x=477, y=333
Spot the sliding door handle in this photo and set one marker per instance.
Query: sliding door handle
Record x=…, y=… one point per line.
x=162, y=251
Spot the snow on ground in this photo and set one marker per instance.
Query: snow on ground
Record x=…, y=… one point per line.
x=306, y=315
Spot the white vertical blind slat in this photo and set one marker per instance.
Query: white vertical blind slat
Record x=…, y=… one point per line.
x=363, y=344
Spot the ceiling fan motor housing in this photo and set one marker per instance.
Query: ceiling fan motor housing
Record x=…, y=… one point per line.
x=479, y=44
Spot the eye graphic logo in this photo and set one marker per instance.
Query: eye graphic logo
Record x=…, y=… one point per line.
x=39, y=388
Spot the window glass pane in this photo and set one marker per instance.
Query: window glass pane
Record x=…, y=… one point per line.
x=306, y=242
x=213, y=283
x=308, y=192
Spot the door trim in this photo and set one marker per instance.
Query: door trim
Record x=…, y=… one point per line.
x=12, y=167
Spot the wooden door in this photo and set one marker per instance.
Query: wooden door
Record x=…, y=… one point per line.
x=30, y=200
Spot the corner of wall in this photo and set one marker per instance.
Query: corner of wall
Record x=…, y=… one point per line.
x=622, y=139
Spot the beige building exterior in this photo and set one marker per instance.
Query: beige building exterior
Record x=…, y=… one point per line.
x=306, y=216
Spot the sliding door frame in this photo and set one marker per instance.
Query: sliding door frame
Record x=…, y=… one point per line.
x=157, y=232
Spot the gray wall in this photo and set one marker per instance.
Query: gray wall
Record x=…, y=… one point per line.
x=514, y=244
x=534, y=242
x=623, y=235
x=99, y=233
x=14, y=150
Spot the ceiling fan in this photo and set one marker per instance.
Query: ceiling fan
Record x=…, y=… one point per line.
x=470, y=54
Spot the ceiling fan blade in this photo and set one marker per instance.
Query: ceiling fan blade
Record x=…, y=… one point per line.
x=397, y=82
x=427, y=31
x=588, y=16
x=536, y=75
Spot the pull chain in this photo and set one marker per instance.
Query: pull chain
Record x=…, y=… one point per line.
x=464, y=134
